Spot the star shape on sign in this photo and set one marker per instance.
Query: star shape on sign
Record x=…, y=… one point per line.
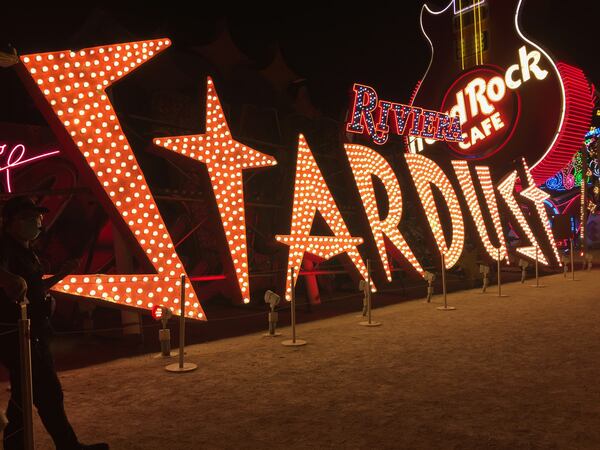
x=73, y=84
x=537, y=196
x=506, y=189
x=225, y=160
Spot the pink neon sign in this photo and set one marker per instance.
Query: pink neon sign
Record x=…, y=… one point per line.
x=14, y=158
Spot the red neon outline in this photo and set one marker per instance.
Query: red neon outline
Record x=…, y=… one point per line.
x=577, y=117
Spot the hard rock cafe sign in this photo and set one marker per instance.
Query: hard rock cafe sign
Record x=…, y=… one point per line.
x=512, y=98
x=474, y=114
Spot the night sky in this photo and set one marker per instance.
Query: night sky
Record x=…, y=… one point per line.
x=332, y=47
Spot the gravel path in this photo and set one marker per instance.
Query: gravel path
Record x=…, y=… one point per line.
x=519, y=372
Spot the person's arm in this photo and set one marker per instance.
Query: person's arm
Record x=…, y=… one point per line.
x=51, y=281
x=67, y=268
x=13, y=285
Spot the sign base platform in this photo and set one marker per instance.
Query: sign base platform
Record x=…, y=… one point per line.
x=446, y=308
x=271, y=335
x=187, y=367
x=372, y=324
x=291, y=343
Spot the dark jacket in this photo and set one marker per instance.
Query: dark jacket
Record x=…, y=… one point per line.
x=24, y=262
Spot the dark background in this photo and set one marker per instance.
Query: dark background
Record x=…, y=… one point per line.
x=332, y=47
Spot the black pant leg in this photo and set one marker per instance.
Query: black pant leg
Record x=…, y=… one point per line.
x=48, y=398
x=9, y=357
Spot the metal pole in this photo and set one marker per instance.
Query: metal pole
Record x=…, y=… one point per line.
x=369, y=322
x=444, y=280
x=369, y=290
x=537, y=276
x=499, y=280
x=293, y=309
x=445, y=307
x=537, y=269
x=182, y=321
x=293, y=342
x=572, y=262
x=181, y=366
x=26, y=379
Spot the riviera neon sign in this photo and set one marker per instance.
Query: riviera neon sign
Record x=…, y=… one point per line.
x=14, y=158
x=72, y=85
x=380, y=117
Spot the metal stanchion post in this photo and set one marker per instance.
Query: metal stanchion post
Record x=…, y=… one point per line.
x=572, y=261
x=588, y=261
x=369, y=322
x=500, y=294
x=445, y=307
x=537, y=272
x=293, y=342
x=181, y=366
x=26, y=379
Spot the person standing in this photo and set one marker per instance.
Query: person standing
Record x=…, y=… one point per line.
x=21, y=279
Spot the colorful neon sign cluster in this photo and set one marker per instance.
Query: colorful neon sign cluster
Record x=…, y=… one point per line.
x=572, y=174
x=73, y=84
x=569, y=177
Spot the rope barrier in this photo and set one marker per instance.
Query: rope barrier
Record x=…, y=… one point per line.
x=14, y=433
x=9, y=332
x=102, y=330
x=404, y=287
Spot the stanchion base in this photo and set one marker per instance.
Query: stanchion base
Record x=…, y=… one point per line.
x=187, y=367
x=361, y=316
x=271, y=335
x=445, y=308
x=372, y=324
x=538, y=285
x=576, y=279
x=160, y=355
x=502, y=295
x=291, y=343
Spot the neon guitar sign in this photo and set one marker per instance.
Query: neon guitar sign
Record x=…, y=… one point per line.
x=484, y=69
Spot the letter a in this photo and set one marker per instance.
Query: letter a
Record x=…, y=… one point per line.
x=311, y=194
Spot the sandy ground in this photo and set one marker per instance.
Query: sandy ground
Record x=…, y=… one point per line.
x=519, y=372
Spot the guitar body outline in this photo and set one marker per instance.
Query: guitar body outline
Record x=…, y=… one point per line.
x=546, y=138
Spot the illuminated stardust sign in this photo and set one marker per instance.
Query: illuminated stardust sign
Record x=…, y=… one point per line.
x=70, y=88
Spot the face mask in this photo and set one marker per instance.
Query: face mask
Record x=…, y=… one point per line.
x=29, y=229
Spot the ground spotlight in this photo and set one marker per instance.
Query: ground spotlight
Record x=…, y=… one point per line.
x=272, y=299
